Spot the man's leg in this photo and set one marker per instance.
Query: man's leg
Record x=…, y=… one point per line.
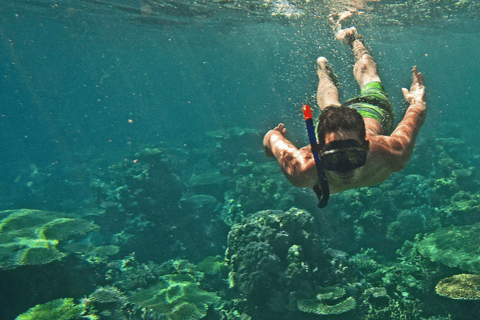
x=327, y=92
x=365, y=69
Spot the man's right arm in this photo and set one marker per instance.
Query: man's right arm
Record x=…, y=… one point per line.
x=295, y=164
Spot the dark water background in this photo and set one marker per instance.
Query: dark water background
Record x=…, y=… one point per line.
x=84, y=85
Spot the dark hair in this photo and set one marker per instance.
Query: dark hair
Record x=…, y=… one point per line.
x=334, y=119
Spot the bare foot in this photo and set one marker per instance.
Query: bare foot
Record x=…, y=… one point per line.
x=324, y=69
x=348, y=35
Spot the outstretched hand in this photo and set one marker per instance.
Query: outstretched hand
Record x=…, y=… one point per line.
x=417, y=89
x=267, y=140
x=281, y=128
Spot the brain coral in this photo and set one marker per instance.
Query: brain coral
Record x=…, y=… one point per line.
x=275, y=258
x=454, y=246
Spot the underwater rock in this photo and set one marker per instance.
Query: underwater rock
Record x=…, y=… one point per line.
x=460, y=287
x=31, y=237
x=454, y=246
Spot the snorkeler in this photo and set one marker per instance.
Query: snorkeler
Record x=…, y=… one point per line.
x=357, y=143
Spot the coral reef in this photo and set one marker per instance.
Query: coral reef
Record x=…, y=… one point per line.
x=322, y=305
x=457, y=246
x=365, y=252
x=275, y=258
x=61, y=309
x=92, y=254
x=212, y=265
x=176, y=296
x=107, y=302
x=148, y=196
x=460, y=287
x=31, y=237
x=176, y=289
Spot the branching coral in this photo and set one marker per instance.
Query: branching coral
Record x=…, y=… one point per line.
x=61, y=309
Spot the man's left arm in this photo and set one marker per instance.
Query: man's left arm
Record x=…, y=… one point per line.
x=402, y=141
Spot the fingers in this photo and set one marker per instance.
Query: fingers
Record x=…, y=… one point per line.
x=280, y=128
x=417, y=76
x=405, y=93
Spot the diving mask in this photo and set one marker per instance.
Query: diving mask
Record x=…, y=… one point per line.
x=343, y=155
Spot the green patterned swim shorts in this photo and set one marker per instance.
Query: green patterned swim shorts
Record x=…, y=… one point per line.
x=373, y=103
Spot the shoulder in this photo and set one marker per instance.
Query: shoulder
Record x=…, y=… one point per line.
x=387, y=151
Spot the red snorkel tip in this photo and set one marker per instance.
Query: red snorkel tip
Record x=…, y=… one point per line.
x=307, y=112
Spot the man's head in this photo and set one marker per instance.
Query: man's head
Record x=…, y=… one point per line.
x=338, y=123
x=341, y=139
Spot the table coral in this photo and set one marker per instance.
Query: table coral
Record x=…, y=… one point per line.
x=177, y=296
x=30, y=237
x=454, y=246
x=460, y=287
x=323, y=305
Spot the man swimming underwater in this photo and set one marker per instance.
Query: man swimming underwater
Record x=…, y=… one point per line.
x=357, y=142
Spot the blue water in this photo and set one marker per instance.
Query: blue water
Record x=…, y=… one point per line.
x=85, y=85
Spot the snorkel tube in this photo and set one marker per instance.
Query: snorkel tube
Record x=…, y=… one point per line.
x=322, y=191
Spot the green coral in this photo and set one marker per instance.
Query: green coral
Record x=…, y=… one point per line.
x=444, y=186
x=65, y=228
x=322, y=303
x=463, y=203
x=30, y=237
x=212, y=265
x=454, y=246
x=61, y=309
x=91, y=253
x=177, y=296
x=460, y=287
